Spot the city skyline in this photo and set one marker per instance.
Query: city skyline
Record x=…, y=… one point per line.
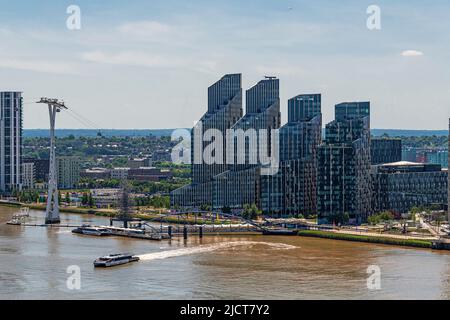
x=212, y=152
x=133, y=57
x=337, y=178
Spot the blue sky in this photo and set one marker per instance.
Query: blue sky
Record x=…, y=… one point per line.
x=147, y=64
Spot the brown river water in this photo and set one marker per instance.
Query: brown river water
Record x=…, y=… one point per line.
x=34, y=262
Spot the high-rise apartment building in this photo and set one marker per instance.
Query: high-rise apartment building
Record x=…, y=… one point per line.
x=224, y=110
x=293, y=190
x=10, y=141
x=241, y=184
x=385, y=150
x=344, y=164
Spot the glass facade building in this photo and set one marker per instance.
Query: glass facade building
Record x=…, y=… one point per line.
x=438, y=157
x=344, y=164
x=224, y=110
x=399, y=186
x=293, y=190
x=241, y=184
x=10, y=141
x=385, y=150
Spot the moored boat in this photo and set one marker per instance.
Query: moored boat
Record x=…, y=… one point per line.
x=92, y=231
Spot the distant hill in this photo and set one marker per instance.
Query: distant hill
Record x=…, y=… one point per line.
x=92, y=133
x=167, y=132
x=409, y=133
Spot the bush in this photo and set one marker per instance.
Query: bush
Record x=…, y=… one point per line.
x=380, y=217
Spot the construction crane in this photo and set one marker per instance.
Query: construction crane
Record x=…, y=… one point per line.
x=52, y=209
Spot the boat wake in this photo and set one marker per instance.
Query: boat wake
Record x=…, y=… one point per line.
x=63, y=232
x=210, y=248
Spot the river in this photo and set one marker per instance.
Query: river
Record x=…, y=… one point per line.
x=34, y=262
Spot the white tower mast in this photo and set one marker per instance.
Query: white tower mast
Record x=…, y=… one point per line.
x=52, y=210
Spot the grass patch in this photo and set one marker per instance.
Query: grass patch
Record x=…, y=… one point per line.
x=363, y=238
x=143, y=216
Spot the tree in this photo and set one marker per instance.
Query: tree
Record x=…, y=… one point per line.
x=226, y=209
x=386, y=216
x=84, y=199
x=373, y=219
x=205, y=207
x=380, y=217
x=338, y=218
x=160, y=202
x=68, y=198
x=91, y=200
x=345, y=218
x=251, y=212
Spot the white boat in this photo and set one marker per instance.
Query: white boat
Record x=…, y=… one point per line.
x=14, y=222
x=92, y=231
x=115, y=260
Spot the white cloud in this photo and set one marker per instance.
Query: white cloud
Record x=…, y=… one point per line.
x=38, y=66
x=129, y=58
x=5, y=32
x=412, y=53
x=153, y=31
x=279, y=70
x=145, y=29
x=140, y=59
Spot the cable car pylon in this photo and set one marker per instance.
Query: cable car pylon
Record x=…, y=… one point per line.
x=52, y=209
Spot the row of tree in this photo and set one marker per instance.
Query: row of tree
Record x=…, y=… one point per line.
x=156, y=201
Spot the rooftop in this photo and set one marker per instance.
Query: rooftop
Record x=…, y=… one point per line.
x=403, y=163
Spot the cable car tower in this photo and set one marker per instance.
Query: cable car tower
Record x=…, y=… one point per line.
x=52, y=210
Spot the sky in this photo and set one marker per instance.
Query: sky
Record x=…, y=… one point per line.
x=147, y=64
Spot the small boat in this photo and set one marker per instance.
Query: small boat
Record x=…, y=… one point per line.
x=115, y=260
x=14, y=222
x=92, y=231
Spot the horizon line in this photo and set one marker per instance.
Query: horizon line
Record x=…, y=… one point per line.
x=175, y=128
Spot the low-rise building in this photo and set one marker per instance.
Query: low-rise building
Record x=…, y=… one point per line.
x=438, y=157
x=409, y=154
x=402, y=185
x=119, y=173
x=96, y=173
x=105, y=198
x=149, y=174
x=162, y=155
x=135, y=163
